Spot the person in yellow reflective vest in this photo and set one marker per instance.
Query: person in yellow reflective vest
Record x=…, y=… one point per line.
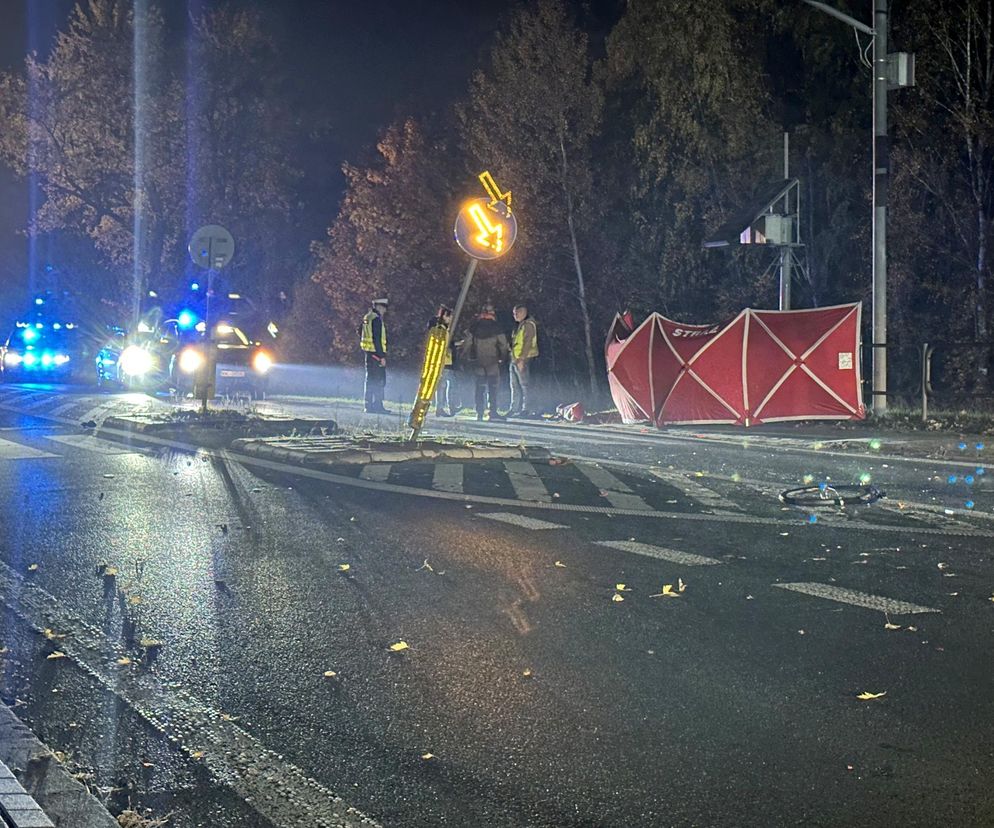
x=373, y=341
x=445, y=391
x=524, y=348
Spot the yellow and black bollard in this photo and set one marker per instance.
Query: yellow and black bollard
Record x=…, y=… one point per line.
x=431, y=369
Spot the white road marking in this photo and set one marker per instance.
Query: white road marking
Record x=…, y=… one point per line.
x=85, y=441
x=521, y=520
x=448, y=477
x=93, y=413
x=857, y=599
x=616, y=492
x=526, y=482
x=661, y=552
x=9, y=450
x=62, y=409
x=694, y=490
x=40, y=402
x=376, y=471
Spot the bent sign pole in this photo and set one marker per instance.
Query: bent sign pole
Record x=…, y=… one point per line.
x=485, y=229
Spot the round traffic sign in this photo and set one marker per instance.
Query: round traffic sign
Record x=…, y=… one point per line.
x=484, y=231
x=211, y=247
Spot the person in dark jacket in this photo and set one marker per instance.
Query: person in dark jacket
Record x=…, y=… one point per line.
x=484, y=350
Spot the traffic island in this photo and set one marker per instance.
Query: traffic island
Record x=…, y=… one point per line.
x=345, y=450
x=216, y=429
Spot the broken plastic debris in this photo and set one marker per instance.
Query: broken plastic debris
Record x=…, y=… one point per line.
x=425, y=565
x=865, y=696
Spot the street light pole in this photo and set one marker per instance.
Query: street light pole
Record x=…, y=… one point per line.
x=881, y=180
x=881, y=175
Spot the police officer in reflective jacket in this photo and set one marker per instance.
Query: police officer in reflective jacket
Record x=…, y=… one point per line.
x=373, y=342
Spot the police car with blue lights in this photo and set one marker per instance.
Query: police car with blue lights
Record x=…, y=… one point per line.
x=43, y=347
x=139, y=360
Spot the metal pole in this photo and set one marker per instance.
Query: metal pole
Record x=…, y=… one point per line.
x=466, y=280
x=785, y=249
x=881, y=173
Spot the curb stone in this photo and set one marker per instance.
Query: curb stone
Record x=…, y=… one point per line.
x=305, y=455
x=42, y=794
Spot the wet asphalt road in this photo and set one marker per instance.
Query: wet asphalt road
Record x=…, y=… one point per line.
x=542, y=699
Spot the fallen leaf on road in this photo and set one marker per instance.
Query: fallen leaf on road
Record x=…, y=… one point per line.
x=561, y=565
x=123, y=661
x=227, y=717
x=151, y=643
x=889, y=626
x=344, y=567
x=56, y=654
x=51, y=635
x=864, y=696
x=32, y=567
x=622, y=588
x=134, y=600
x=616, y=597
x=680, y=585
x=197, y=754
x=330, y=674
x=425, y=565
x=527, y=673
x=668, y=592
x=427, y=756
x=398, y=647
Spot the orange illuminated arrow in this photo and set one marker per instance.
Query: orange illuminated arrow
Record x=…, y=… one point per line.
x=487, y=180
x=490, y=235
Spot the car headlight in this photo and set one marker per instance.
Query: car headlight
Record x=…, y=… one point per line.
x=190, y=360
x=61, y=359
x=135, y=361
x=12, y=358
x=30, y=359
x=262, y=362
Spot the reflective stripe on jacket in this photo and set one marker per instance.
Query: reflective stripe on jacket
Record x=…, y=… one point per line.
x=368, y=342
x=525, y=344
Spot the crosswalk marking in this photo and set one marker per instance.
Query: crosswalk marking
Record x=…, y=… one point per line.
x=616, y=492
x=88, y=443
x=521, y=520
x=376, y=471
x=857, y=599
x=448, y=477
x=661, y=552
x=694, y=490
x=525, y=481
x=9, y=450
x=62, y=409
x=96, y=411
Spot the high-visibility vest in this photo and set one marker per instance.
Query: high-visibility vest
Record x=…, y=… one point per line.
x=518, y=344
x=366, y=341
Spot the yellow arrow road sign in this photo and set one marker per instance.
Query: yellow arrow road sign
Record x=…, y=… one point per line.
x=487, y=180
x=490, y=235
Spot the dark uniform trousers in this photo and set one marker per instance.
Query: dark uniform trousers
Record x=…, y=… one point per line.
x=376, y=381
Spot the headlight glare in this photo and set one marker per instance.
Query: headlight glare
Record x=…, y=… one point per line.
x=190, y=360
x=262, y=362
x=12, y=358
x=135, y=361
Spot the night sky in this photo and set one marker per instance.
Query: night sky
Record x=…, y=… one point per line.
x=367, y=62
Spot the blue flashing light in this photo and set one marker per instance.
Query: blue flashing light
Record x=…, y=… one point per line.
x=194, y=285
x=39, y=300
x=186, y=319
x=29, y=335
